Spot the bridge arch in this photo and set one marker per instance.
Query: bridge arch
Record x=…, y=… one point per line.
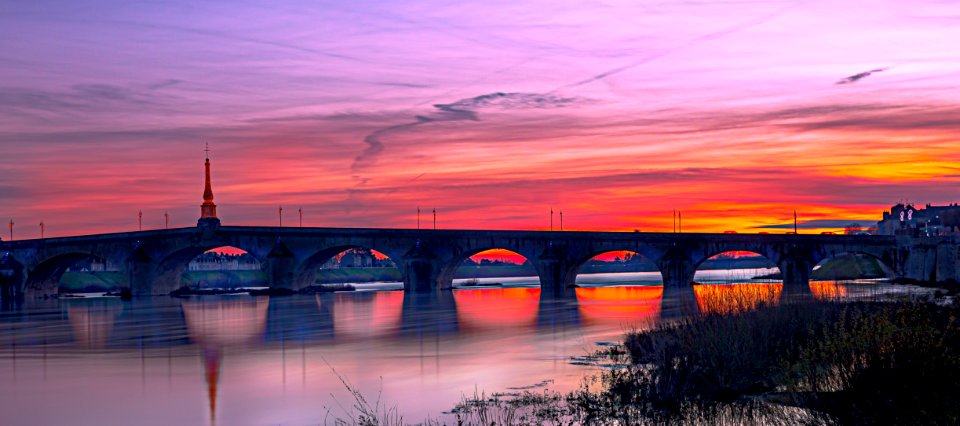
x=225, y=267
x=44, y=278
x=171, y=266
x=565, y=273
x=448, y=271
x=305, y=274
x=736, y=280
x=603, y=268
x=725, y=260
x=883, y=267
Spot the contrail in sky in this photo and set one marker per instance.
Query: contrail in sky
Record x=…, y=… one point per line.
x=706, y=37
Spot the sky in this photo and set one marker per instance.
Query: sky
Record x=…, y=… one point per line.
x=736, y=113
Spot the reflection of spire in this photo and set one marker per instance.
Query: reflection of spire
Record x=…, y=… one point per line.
x=208, y=210
x=211, y=365
x=216, y=324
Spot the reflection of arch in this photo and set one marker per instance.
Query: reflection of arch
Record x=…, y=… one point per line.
x=45, y=277
x=637, y=305
x=494, y=308
x=767, y=264
x=92, y=320
x=306, y=272
x=885, y=270
x=638, y=264
x=364, y=315
x=449, y=270
x=225, y=322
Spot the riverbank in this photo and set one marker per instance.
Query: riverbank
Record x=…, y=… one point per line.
x=817, y=362
x=842, y=268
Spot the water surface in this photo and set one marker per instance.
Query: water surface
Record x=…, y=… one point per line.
x=243, y=360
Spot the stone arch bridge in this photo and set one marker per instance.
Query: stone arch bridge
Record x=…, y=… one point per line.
x=153, y=260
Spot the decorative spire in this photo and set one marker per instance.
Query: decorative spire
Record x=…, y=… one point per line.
x=208, y=210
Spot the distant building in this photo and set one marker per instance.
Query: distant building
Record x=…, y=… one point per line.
x=905, y=219
x=358, y=258
x=211, y=261
x=91, y=265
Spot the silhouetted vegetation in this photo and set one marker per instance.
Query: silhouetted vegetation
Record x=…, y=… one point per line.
x=327, y=288
x=857, y=362
x=821, y=362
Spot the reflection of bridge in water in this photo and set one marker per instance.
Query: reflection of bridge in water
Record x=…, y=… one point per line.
x=218, y=329
x=223, y=322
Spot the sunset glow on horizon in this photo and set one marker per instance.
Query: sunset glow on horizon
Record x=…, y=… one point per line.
x=736, y=114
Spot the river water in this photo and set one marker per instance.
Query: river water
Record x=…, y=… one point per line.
x=243, y=360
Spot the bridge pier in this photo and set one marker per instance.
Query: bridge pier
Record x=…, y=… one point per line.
x=421, y=273
x=140, y=274
x=42, y=287
x=948, y=261
x=679, y=298
x=7, y=288
x=11, y=279
x=557, y=278
x=431, y=313
x=921, y=262
x=795, y=271
x=280, y=272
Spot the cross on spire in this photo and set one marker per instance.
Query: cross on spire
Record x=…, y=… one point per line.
x=206, y=149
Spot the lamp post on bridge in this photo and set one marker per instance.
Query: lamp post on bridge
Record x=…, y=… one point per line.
x=41, y=229
x=280, y=212
x=300, y=210
x=551, y=219
x=561, y=220
x=166, y=220
x=418, y=218
x=11, y=229
x=140, y=220
x=434, y=218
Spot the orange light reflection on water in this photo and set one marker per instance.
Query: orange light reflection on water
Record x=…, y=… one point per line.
x=515, y=307
x=599, y=305
x=727, y=298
